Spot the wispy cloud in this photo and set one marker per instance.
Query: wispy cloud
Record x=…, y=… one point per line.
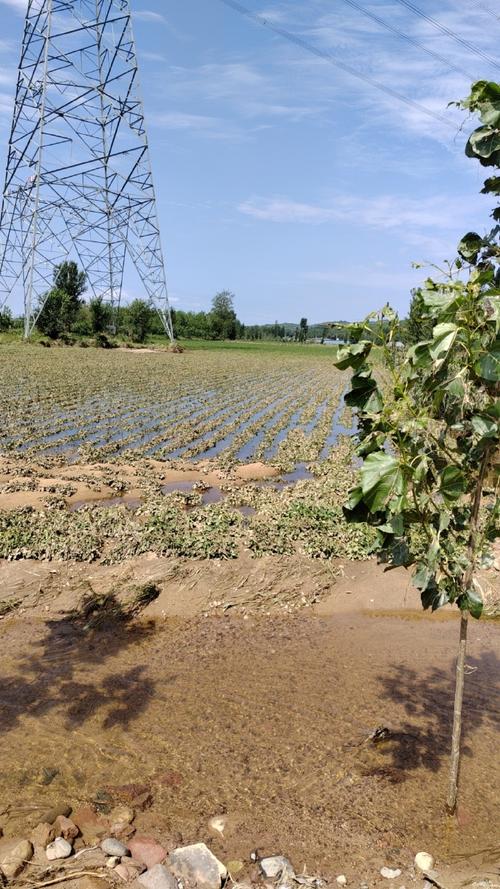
x=148, y=15
x=429, y=224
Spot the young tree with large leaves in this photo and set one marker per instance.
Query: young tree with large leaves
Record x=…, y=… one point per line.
x=430, y=431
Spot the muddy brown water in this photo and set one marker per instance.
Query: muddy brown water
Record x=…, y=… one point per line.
x=265, y=719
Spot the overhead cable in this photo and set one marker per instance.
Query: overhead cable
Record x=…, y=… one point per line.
x=328, y=57
x=449, y=33
x=412, y=40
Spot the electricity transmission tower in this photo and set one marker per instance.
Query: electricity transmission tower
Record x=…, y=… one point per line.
x=78, y=181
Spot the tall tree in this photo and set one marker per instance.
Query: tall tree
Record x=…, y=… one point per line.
x=62, y=303
x=303, y=330
x=139, y=315
x=223, y=316
x=100, y=314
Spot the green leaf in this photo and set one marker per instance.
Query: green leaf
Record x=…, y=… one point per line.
x=443, y=337
x=434, y=598
x=381, y=479
x=453, y=484
x=456, y=388
x=488, y=366
x=352, y=356
x=469, y=246
x=484, y=144
x=472, y=602
x=484, y=427
x=364, y=394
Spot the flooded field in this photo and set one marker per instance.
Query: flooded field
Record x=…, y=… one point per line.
x=238, y=405
x=266, y=720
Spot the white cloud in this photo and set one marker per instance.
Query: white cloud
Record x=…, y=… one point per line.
x=147, y=15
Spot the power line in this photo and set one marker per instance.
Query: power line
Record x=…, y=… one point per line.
x=449, y=33
x=328, y=57
x=404, y=36
x=488, y=11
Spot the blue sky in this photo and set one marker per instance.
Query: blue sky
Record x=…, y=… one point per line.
x=284, y=179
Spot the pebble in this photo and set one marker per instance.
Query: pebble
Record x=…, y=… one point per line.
x=113, y=847
x=66, y=828
x=390, y=873
x=197, y=864
x=13, y=855
x=424, y=861
x=158, y=877
x=147, y=851
x=342, y=880
x=60, y=848
x=275, y=866
x=217, y=825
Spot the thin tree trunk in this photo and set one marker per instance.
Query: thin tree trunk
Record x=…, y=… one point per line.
x=451, y=800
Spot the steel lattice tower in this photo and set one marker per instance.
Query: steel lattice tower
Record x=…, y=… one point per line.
x=78, y=182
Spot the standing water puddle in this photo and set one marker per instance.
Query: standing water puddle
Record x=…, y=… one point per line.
x=265, y=719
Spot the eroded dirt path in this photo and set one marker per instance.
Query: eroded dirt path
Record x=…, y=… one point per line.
x=266, y=718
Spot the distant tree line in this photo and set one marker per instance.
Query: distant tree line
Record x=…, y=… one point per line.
x=65, y=314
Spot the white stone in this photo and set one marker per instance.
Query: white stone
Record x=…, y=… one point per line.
x=424, y=861
x=276, y=866
x=58, y=849
x=390, y=873
x=197, y=864
x=113, y=861
x=342, y=880
x=217, y=825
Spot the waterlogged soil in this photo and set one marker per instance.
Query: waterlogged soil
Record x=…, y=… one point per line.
x=264, y=718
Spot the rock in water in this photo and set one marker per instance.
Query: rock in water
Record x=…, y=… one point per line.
x=158, y=877
x=276, y=866
x=390, y=873
x=197, y=864
x=424, y=861
x=13, y=855
x=114, y=848
x=60, y=848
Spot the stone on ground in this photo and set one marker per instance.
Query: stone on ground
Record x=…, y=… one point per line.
x=147, y=850
x=66, y=828
x=158, y=877
x=113, y=847
x=43, y=834
x=60, y=848
x=198, y=866
x=424, y=861
x=14, y=853
x=276, y=866
x=390, y=873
